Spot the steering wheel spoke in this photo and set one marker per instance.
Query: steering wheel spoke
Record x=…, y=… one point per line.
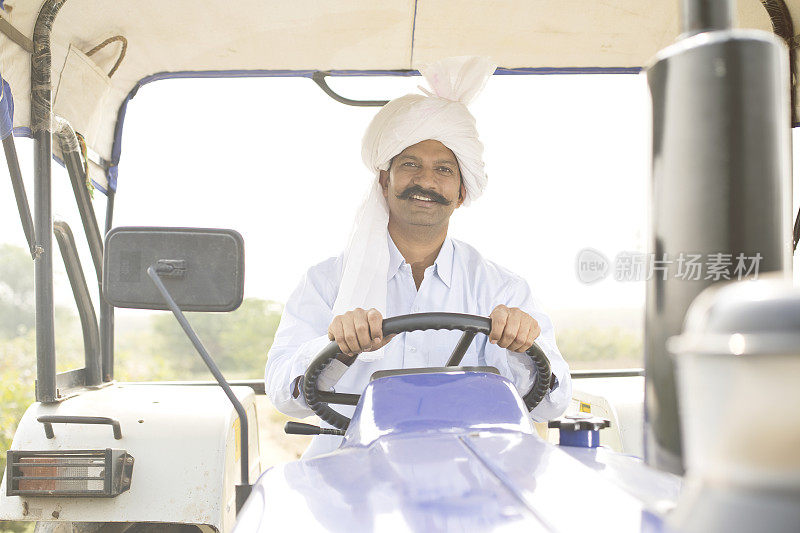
x=461, y=348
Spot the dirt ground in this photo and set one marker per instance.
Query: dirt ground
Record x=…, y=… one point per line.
x=277, y=446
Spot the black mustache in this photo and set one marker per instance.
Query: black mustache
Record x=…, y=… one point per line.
x=416, y=189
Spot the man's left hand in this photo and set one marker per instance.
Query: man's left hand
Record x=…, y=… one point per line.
x=513, y=328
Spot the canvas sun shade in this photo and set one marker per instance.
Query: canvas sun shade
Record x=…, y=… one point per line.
x=157, y=39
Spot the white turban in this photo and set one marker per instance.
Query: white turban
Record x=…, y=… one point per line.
x=442, y=116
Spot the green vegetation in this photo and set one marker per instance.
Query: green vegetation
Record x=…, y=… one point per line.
x=17, y=527
x=596, y=347
x=237, y=341
x=17, y=351
x=16, y=291
x=17, y=344
x=157, y=349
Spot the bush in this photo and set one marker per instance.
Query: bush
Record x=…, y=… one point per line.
x=17, y=373
x=238, y=341
x=596, y=347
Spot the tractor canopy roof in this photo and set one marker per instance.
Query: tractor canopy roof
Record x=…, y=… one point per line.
x=102, y=51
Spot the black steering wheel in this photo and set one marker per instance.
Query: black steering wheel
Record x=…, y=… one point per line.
x=471, y=325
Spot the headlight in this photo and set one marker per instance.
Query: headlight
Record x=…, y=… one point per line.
x=98, y=473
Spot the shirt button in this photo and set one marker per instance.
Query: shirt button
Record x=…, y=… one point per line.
x=412, y=349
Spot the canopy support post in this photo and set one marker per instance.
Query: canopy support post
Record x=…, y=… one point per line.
x=106, y=309
x=91, y=337
x=10, y=149
x=68, y=143
x=41, y=111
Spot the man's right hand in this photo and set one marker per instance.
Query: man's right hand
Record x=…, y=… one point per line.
x=358, y=331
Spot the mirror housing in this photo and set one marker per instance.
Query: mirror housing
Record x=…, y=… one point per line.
x=202, y=268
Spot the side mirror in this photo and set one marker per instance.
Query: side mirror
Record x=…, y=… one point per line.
x=203, y=269
x=181, y=269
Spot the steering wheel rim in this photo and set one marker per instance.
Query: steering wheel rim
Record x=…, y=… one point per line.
x=319, y=400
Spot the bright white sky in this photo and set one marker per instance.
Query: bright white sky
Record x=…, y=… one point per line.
x=281, y=163
x=277, y=160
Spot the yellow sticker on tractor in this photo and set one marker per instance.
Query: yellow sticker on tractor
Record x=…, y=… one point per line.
x=237, y=437
x=584, y=407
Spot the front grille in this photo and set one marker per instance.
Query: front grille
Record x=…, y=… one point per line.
x=98, y=473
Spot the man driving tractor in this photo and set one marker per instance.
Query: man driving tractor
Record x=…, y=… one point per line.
x=427, y=161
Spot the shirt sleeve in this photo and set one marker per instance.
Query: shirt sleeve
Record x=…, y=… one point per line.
x=297, y=340
x=519, y=368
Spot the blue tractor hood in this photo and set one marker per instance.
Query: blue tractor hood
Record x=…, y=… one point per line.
x=455, y=451
x=449, y=402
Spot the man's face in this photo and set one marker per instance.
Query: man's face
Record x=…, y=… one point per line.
x=423, y=185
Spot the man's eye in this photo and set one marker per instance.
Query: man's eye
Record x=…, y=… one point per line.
x=446, y=170
x=409, y=164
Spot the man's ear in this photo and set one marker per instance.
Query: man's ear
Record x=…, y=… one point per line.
x=462, y=193
x=383, y=179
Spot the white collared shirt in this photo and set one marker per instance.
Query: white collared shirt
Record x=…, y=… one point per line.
x=459, y=281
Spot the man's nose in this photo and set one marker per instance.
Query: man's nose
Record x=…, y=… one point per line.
x=426, y=177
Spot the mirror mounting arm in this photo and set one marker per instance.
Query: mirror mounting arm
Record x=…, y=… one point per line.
x=242, y=490
x=171, y=268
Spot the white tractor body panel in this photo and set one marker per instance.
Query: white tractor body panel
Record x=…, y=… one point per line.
x=184, y=441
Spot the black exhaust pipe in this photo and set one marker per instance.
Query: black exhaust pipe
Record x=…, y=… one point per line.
x=721, y=184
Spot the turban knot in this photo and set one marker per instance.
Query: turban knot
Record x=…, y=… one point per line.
x=442, y=116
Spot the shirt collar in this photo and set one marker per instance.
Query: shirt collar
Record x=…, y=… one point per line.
x=443, y=265
x=444, y=262
x=395, y=259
